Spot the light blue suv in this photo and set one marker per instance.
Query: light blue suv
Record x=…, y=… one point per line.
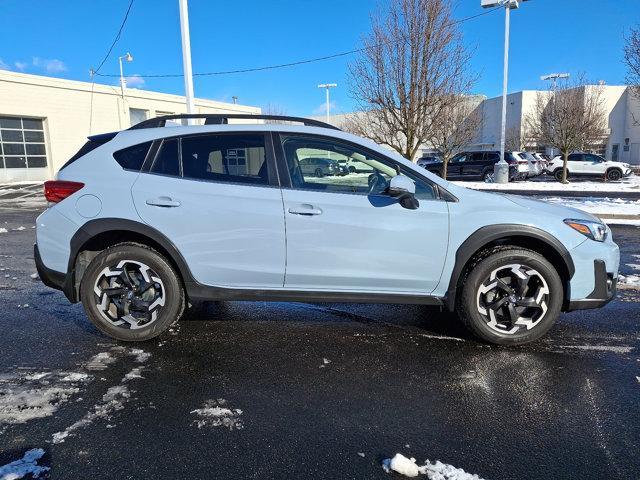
x=144, y=221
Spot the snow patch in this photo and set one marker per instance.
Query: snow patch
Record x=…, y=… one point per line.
x=632, y=281
x=600, y=348
x=133, y=374
x=100, y=361
x=27, y=465
x=434, y=471
x=34, y=276
x=112, y=401
x=141, y=355
x=3, y=230
x=215, y=413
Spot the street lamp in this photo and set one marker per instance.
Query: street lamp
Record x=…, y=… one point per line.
x=501, y=169
x=554, y=77
x=327, y=86
x=129, y=58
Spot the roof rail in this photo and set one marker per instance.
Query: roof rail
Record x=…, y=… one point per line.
x=223, y=118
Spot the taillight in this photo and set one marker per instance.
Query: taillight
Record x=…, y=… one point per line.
x=57, y=190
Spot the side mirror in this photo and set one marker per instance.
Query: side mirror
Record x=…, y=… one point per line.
x=401, y=184
x=404, y=189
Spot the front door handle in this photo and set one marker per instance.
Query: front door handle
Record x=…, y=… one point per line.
x=163, y=202
x=305, y=210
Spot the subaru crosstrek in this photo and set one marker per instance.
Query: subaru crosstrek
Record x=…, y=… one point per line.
x=145, y=221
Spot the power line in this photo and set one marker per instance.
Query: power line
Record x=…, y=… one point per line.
x=117, y=37
x=290, y=64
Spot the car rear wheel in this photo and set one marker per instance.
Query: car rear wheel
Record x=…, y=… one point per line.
x=614, y=174
x=510, y=296
x=557, y=174
x=352, y=169
x=131, y=292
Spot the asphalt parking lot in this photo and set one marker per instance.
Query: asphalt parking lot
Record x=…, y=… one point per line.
x=292, y=390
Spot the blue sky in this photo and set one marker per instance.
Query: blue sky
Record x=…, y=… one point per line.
x=65, y=38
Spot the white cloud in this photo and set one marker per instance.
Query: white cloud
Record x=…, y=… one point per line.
x=322, y=108
x=49, y=65
x=22, y=66
x=134, y=81
x=3, y=66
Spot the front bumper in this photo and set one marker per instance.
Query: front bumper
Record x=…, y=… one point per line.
x=603, y=291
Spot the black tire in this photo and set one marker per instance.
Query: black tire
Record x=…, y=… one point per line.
x=478, y=277
x=557, y=174
x=319, y=173
x=614, y=174
x=487, y=176
x=157, y=267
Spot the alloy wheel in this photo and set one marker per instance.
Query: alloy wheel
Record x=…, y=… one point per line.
x=513, y=297
x=129, y=295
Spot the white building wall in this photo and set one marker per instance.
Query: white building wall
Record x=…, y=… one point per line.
x=70, y=114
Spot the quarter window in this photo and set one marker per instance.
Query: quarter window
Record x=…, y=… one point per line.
x=239, y=158
x=132, y=158
x=22, y=143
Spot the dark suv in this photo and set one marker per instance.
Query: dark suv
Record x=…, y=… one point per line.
x=474, y=166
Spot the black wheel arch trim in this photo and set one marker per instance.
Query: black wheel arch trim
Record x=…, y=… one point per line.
x=484, y=236
x=99, y=226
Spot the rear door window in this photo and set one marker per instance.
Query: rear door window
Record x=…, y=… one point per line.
x=230, y=158
x=167, y=161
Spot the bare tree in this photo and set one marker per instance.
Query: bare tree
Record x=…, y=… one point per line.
x=569, y=118
x=632, y=60
x=458, y=123
x=273, y=109
x=412, y=65
x=518, y=139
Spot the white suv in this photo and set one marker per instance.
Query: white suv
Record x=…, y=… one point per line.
x=588, y=164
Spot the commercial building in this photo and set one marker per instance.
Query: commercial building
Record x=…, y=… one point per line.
x=44, y=120
x=621, y=142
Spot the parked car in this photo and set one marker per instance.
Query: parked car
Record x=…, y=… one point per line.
x=474, y=166
x=588, y=164
x=145, y=221
x=355, y=166
x=429, y=160
x=541, y=164
x=320, y=166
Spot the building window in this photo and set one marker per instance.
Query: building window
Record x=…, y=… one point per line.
x=137, y=115
x=22, y=143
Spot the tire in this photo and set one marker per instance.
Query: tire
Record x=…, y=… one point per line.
x=138, y=309
x=352, y=169
x=613, y=174
x=488, y=176
x=516, y=318
x=319, y=173
x=557, y=174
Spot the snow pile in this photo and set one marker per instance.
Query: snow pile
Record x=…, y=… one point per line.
x=34, y=276
x=141, y=355
x=3, y=230
x=542, y=184
x=597, y=205
x=434, y=471
x=133, y=374
x=214, y=413
x=27, y=465
x=632, y=281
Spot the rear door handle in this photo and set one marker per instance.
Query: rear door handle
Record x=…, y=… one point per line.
x=163, y=202
x=305, y=210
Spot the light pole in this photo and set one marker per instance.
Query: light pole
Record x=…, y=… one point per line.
x=327, y=86
x=554, y=78
x=129, y=58
x=501, y=169
x=186, y=56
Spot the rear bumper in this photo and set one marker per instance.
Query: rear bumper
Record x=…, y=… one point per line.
x=52, y=278
x=604, y=290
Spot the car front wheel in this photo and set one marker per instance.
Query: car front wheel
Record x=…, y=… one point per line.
x=614, y=175
x=557, y=174
x=131, y=292
x=510, y=296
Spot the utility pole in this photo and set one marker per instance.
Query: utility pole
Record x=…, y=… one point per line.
x=327, y=86
x=186, y=56
x=501, y=169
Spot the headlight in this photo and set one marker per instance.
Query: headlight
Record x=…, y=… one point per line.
x=594, y=230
